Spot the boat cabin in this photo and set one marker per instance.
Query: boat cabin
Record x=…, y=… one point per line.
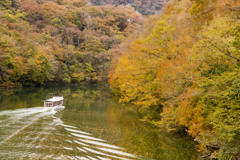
x=53, y=102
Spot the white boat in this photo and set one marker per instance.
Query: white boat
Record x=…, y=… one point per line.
x=54, y=102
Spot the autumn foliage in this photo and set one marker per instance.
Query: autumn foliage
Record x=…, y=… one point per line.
x=65, y=41
x=185, y=74
x=181, y=68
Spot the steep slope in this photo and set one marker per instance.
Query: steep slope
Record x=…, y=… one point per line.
x=145, y=7
x=64, y=41
x=185, y=74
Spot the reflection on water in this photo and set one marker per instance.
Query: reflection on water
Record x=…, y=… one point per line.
x=24, y=134
x=92, y=126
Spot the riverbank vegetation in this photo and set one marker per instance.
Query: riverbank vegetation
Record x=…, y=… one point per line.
x=65, y=41
x=185, y=74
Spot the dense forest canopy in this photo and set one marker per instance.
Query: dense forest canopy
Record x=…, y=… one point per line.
x=185, y=74
x=59, y=40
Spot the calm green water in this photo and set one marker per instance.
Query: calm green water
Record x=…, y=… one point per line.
x=92, y=126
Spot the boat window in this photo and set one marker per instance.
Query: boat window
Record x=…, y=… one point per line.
x=53, y=104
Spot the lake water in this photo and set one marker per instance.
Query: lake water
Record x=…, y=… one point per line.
x=92, y=126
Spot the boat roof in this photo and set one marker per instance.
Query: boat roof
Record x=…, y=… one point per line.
x=54, y=99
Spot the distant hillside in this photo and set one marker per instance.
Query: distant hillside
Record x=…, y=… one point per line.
x=143, y=6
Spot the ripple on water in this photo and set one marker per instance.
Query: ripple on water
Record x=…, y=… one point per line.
x=37, y=133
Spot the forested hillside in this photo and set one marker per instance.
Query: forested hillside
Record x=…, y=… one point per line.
x=180, y=67
x=59, y=41
x=145, y=7
x=185, y=74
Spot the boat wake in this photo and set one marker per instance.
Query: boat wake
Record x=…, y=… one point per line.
x=39, y=133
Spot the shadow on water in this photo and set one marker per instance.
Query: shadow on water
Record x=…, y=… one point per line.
x=92, y=126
